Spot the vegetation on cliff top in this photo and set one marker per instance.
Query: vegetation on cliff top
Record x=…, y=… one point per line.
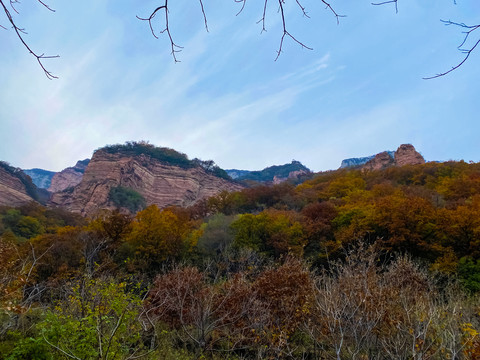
x=164, y=155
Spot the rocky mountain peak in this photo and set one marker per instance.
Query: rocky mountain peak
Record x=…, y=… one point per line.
x=405, y=155
x=379, y=161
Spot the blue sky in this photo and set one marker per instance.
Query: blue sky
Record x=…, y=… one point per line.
x=358, y=92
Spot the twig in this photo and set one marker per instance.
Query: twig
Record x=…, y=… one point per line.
x=388, y=2
x=20, y=31
x=59, y=349
x=243, y=6
x=467, y=52
x=175, y=48
x=286, y=33
x=337, y=16
x=204, y=15
x=262, y=20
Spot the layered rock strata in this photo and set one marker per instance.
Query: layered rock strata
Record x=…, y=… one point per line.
x=12, y=190
x=158, y=183
x=68, y=177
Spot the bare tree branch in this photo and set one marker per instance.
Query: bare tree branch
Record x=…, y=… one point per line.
x=388, y=2
x=286, y=33
x=19, y=31
x=204, y=15
x=466, y=51
x=243, y=2
x=328, y=6
x=175, y=48
x=262, y=20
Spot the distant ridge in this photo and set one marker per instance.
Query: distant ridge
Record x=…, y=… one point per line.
x=352, y=162
x=275, y=173
x=41, y=178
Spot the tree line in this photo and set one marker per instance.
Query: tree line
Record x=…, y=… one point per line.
x=348, y=265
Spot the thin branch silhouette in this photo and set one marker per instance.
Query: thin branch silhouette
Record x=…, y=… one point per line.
x=467, y=51
x=20, y=32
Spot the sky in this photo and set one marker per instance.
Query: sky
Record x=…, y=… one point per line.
x=358, y=92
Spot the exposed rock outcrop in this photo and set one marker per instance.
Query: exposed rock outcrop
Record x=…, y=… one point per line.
x=405, y=155
x=293, y=175
x=157, y=182
x=379, y=162
x=14, y=186
x=68, y=177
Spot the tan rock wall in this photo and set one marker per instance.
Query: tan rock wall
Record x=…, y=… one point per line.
x=158, y=183
x=405, y=155
x=12, y=190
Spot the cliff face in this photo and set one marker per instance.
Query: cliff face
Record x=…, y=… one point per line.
x=157, y=182
x=13, y=191
x=68, y=177
x=379, y=162
x=405, y=155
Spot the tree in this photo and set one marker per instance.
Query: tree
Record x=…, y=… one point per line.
x=98, y=320
x=467, y=46
x=215, y=315
x=158, y=236
x=271, y=232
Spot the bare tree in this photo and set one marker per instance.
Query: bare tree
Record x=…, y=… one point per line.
x=204, y=312
x=18, y=292
x=349, y=306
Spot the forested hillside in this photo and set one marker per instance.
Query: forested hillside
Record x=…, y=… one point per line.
x=352, y=264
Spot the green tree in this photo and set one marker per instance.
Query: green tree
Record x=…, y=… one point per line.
x=127, y=198
x=98, y=320
x=273, y=232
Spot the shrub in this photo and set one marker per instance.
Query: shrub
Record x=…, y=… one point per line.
x=127, y=198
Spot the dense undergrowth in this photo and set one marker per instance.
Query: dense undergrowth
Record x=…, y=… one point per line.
x=347, y=265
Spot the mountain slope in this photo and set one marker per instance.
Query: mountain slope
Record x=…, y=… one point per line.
x=16, y=188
